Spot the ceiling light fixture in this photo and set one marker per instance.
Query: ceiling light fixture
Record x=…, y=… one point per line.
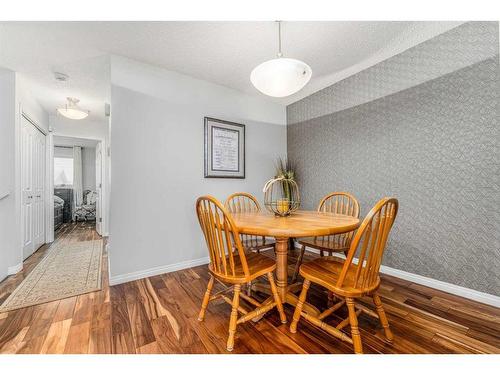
x=72, y=111
x=61, y=77
x=281, y=76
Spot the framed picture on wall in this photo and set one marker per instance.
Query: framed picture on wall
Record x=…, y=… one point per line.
x=224, y=149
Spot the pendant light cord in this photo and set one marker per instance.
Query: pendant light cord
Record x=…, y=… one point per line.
x=279, y=39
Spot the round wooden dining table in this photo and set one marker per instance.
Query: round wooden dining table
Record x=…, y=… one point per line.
x=298, y=224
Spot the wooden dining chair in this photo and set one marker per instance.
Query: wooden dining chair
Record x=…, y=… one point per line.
x=231, y=265
x=338, y=203
x=350, y=280
x=245, y=202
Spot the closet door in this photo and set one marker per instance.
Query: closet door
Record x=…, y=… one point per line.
x=39, y=190
x=27, y=145
x=33, y=187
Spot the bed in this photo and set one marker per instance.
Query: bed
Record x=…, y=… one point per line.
x=58, y=212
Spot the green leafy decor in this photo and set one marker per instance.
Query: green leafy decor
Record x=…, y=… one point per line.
x=285, y=169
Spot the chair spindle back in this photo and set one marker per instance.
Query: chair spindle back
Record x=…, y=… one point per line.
x=222, y=237
x=343, y=204
x=244, y=203
x=370, y=239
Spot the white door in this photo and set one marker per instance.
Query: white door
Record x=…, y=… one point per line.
x=39, y=190
x=27, y=186
x=32, y=187
x=98, y=185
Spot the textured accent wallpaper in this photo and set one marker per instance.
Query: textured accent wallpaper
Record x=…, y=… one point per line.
x=434, y=146
x=460, y=47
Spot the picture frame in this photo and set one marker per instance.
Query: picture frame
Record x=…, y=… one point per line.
x=224, y=149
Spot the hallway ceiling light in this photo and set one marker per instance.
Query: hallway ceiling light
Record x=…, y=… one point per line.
x=61, y=77
x=281, y=76
x=72, y=111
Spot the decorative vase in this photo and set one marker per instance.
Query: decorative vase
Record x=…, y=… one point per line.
x=281, y=196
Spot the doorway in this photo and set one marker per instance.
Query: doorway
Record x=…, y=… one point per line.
x=77, y=179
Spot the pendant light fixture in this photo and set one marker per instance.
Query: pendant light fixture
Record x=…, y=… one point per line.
x=72, y=111
x=281, y=76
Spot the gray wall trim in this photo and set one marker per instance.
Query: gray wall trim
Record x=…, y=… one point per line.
x=460, y=47
x=434, y=146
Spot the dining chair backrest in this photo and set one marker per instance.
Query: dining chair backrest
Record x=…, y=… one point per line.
x=369, y=244
x=244, y=203
x=227, y=258
x=343, y=204
x=339, y=203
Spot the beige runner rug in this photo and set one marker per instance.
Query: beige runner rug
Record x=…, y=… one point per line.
x=69, y=269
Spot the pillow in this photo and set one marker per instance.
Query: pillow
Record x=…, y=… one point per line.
x=91, y=197
x=58, y=200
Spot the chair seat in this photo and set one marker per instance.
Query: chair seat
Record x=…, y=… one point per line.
x=257, y=243
x=325, y=271
x=258, y=265
x=323, y=243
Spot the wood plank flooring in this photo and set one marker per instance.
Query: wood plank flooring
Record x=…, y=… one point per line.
x=159, y=315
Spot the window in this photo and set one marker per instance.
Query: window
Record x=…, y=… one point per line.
x=63, y=171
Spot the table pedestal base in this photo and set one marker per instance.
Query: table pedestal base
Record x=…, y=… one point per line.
x=290, y=298
x=285, y=291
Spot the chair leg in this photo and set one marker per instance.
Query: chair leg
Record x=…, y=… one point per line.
x=299, y=262
x=353, y=320
x=276, y=297
x=382, y=317
x=330, y=297
x=300, y=304
x=234, y=318
x=206, y=299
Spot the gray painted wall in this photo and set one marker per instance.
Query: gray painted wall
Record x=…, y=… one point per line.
x=158, y=165
x=434, y=145
x=8, y=244
x=157, y=157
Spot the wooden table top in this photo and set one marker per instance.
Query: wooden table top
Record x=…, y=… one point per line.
x=298, y=224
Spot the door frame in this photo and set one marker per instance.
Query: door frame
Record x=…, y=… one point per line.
x=104, y=188
x=100, y=224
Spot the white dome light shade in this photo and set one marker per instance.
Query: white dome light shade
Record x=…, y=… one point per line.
x=73, y=114
x=72, y=111
x=280, y=77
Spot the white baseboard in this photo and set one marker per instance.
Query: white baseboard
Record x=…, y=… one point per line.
x=457, y=290
x=119, y=279
x=472, y=294
x=15, y=269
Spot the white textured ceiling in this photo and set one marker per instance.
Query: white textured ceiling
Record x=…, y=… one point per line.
x=219, y=52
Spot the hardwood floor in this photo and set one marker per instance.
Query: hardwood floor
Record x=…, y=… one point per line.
x=159, y=315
